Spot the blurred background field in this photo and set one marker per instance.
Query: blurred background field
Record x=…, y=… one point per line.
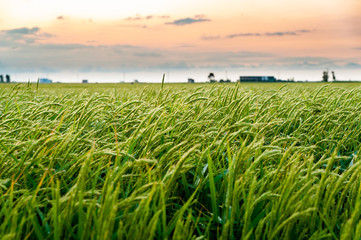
x=156, y=86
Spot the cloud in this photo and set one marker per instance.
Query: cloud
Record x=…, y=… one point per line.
x=184, y=45
x=308, y=62
x=258, y=34
x=303, y=31
x=82, y=57
x=37, y=56
x=239, y=57
x=271, y=34
x=148, y=54
x=45, y=35
x=177, y=65
x=136, y=18
x=211, y=37
x=186, y=21
x=314, y=63
x=200, y=16
x=280, y=34
x=22, y=31
x=305, y=59
x=133, y=25
x=148, y=17
x=13, y=38
x=353, y=65
x=60, y=18
x=243, y=35
x=62, y=47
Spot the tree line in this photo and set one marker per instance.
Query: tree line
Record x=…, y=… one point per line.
x=6, y=79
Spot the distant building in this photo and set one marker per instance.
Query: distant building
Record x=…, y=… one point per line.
x=84, y=81
x=8, y=78
x=1, y=78
x=257, y=79
x=190, y=80
x=45, y=80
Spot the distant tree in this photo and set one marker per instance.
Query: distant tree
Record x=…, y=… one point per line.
x=228, y=81
x=1, y=78
x=325, y=76
x=7, y=78
x=221, y=81
x=333, y=76
x=211, y=77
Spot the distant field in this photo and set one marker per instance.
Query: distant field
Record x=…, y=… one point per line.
x=182, y=161
x=109, y=86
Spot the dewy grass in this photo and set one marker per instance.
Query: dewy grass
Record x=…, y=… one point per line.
x=180, y=161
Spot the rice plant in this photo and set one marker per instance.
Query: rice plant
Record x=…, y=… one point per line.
x=180, y=161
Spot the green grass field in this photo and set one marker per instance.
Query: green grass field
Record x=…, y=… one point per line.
x=187, y=161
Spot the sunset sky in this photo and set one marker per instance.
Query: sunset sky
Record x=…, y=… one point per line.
x=130, y=38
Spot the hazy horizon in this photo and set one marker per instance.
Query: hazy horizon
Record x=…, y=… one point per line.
x=179, y=76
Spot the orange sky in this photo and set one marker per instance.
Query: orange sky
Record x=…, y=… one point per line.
x=141, y=33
